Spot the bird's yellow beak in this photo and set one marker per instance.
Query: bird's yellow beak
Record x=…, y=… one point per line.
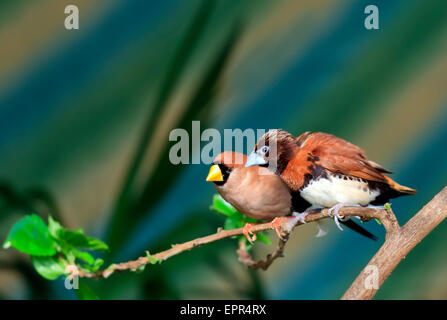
x=215, y=174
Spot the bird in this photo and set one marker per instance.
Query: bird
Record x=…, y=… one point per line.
x=325, y=171
x=255, y=191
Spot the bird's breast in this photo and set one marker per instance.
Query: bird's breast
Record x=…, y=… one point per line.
x=329, y=189
x=257, y=193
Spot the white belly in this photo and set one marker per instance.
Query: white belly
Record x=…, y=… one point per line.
x=327, y=192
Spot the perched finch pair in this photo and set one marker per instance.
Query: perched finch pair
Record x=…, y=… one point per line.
x=285, y=175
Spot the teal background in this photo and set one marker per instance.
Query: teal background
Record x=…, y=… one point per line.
x=85, y=117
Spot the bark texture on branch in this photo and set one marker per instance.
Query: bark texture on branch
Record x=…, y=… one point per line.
x=399, y=242
x=286, y=226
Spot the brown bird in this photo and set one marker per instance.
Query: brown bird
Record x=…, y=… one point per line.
x=258, y=193
x=324, y=171
x=255, y=191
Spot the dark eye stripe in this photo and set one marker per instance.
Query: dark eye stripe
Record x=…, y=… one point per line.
x=225, y=174
x=225, y=171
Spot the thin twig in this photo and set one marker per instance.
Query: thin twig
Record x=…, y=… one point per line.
x=245, y=257
x=285, y=226
x=398, y=243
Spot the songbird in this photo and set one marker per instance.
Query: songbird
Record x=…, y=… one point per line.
x=258, y=193
x=325, y=171
x=254, y=191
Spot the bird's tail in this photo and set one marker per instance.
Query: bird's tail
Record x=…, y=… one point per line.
x=359, y=229
x=399, y=188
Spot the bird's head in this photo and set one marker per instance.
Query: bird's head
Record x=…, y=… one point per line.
x=223, y=165
x=273, y=150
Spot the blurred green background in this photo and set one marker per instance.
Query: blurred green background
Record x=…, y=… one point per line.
x=85, y=117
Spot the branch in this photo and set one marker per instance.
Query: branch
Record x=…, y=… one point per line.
x=387, y=218
x=245, y=257
x=399, y=242
x=286, y=226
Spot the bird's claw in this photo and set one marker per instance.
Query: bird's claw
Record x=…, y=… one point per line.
x=337, y=217
x=301, y=217
x=276, y=224
x=246, y=230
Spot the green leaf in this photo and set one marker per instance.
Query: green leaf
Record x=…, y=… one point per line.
x=75, y=238
x=140, y=269
x=235, y=219
x=84, y=256
x=97, y=264
x=387, y=206
x=250, y=220
x=48, y=267
x=378, y=221
x=222, y=206
x=233, y=223
x=84, y=292
x=53, y=226
x=151, y=259
x=96, y=244
x=30, y=235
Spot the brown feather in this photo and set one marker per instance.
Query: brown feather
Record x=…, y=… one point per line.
x=254, y=191
x=332, y=153
x=231, y=159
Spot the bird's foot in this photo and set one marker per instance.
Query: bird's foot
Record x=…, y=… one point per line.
x=276, y=224
x=301, y=216
x=246, y=230
x=337, y=217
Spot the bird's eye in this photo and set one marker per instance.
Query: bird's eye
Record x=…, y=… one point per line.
x=264, y=149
